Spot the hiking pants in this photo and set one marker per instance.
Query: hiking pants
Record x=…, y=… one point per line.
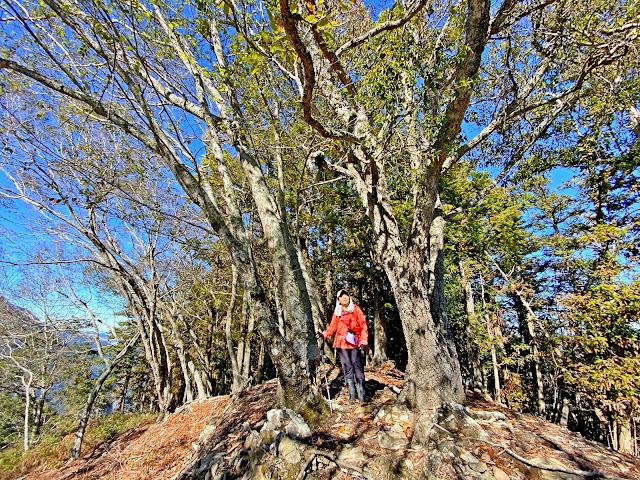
x=352, y=363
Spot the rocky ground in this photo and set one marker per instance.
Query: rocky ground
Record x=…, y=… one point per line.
x=248, y=437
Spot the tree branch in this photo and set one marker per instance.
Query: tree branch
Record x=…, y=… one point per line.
x=289, y=21
x=383, y=27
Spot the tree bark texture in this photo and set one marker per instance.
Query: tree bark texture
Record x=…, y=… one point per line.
x=416, y=274
x=379, y=326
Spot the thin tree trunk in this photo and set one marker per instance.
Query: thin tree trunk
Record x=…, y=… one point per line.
x=488, y=324
x=242, y=335
x=528, y=332
x=182, y=357
x=564, y=414
x=329, y=293
x=625, y=438
x=97, y=386
x=527, y=318
x=246, y=361
x=260, y=366
x=237, y=382
x=123, y=392
x=27, y=408
x=197, y=377
x=473, y=365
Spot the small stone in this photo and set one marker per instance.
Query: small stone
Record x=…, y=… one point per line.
x=252, y=440
x=364, y=409
x=483, y=415
x=379, y=416
x=506, y=426
x=259, y=473
x=392, y=440
x=468, y=458
x=267, y=436
x=499, y=474
x=275, y=417
x=456, y=420
x=528, y=437
x=479, y=467
x=288, y=451
x=297, y=427
x=349, y=454
x=397, y=428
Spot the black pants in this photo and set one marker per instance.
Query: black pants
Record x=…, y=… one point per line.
x=352, y=363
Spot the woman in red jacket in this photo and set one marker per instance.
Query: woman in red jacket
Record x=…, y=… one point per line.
x=350, y=327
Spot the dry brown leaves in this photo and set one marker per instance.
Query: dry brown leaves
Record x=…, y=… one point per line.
x=159, y=451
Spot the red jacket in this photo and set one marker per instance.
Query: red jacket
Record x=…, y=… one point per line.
x=348, y=320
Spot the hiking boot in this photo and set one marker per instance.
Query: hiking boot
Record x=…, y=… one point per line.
x=351, y=388
x=360, y=390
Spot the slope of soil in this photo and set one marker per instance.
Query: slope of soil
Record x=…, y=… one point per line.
x=212, y=439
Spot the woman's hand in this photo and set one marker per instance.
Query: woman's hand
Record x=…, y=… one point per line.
x=364, y=349
x=319, y=336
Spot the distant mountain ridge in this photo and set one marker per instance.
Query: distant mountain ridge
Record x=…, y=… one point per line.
x=15, y=316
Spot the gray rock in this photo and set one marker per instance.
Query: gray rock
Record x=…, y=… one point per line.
x=350, y=454
x=454, y=418
x=268, y=436
x=526, y=441
x=392, y=440
x=252, y=441
x=505, y=426
x=288, y=451
x=534, y=473
x=380, y=415
x=528, y=437
x=424, y=431
x=206, y=463
x=283, y=420
x=479, y=467
x=448, y=449
x=469, y=458
x=364, y=409
x=297, y=427
x=484, y=415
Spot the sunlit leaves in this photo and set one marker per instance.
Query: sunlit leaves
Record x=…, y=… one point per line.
x=601, y=344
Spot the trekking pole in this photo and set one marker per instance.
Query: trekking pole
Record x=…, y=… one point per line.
x=326, y=381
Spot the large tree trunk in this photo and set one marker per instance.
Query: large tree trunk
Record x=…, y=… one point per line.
x=416, y=274
x=379, y=326
x=432, y=375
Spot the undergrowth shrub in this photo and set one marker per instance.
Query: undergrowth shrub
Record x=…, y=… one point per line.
x=54, y=447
